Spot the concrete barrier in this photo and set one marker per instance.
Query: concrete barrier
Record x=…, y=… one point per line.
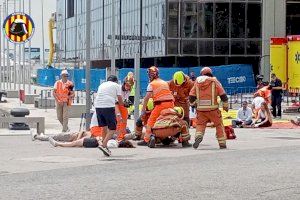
x=29, y=98
x=76, y=110
x=12, y=94
x=44, y=103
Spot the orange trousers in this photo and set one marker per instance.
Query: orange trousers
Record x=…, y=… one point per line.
x=215, y=116
x=154, y=115
x=121, y=125
x=96, y=131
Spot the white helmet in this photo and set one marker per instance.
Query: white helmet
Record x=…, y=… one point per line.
x=112, y=144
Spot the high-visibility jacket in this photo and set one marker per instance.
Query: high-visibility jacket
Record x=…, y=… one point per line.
x=206, y=90
x=181, y=93
x=62, y=90
x=161, y=91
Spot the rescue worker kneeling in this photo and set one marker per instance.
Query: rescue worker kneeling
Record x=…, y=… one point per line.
x=162, y=97
x=204, y=96
x=171, y=123
x=142, y=121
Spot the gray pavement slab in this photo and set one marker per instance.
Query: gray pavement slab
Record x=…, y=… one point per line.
x=260, y=164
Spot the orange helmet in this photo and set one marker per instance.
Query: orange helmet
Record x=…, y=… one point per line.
x=205, y=71
x=153, y=73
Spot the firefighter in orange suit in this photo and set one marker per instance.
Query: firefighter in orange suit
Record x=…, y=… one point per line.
x=180, y=87
x=170, y=125
x=162, y=97
x=204, y=97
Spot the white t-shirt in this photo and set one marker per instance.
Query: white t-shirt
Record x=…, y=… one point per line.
x=257, y=102
x=107, y=95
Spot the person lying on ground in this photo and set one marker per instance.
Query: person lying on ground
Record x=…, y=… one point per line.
x=84, y=139
x=95, y=131
x=264, y=117
x=244, y=116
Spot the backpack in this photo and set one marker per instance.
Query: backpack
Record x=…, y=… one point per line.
x=230, y=133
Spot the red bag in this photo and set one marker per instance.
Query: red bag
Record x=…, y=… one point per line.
x=230, y=133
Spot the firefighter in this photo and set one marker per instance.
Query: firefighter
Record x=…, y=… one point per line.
x=204, y=96
x=170, y=125
x=142, y=121
x=162, y=97
x=181, y=86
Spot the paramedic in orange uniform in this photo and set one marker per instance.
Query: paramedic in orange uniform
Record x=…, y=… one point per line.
x=162, y=97
x=204, y=97
x=63, y=94
x=180, y=87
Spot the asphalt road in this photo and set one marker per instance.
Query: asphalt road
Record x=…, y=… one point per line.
x=261, y=166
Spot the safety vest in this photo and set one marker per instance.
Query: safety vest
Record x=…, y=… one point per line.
x=161, y=91
x=207, y=99
x=62, y=90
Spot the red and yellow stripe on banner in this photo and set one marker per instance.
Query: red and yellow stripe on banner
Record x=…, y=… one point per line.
x=28, y=25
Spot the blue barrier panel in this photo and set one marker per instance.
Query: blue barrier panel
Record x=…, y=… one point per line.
x=97, y=77
x=79, y=79
x=42, y=77
x=232, y=76
x=165, y=74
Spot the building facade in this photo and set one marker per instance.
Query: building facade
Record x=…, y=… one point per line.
x=175, y=32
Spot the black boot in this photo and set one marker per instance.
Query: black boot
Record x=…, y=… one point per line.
x=151, y=143
x=186, y=144
x=142, y=143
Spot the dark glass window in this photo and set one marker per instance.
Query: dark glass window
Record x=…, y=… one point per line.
x=189, y=47
x=238, y=47
x=222, y=20
x=221, y=47
x=173, y=19
x=238, y=20
x=254, y=20
x=253, y=47
x=172, y=46
x=205, y=20
x=205, y=47
x=293, y=18
x=70, y=8
x=189, y=20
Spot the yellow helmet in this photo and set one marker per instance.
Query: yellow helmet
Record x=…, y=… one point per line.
x=180, y=111
x=150, y=104
x=179, y=78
